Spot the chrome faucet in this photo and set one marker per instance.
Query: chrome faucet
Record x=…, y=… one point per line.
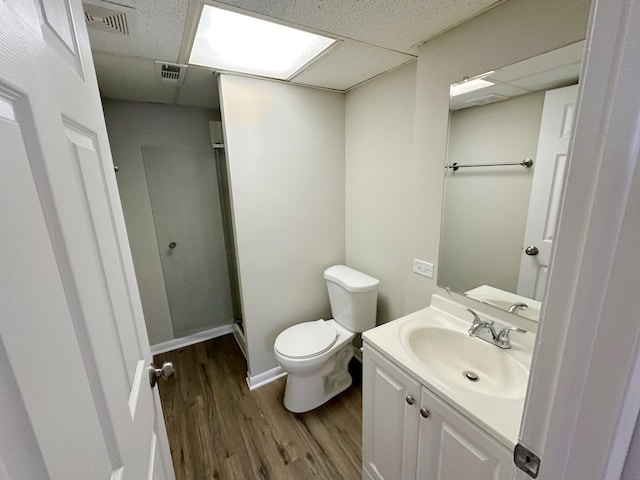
x=501, y=339
x=478, y=323
x=517, y=306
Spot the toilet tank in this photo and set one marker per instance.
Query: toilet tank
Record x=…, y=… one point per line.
x=353, y=296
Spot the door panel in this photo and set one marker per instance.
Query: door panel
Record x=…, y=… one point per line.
x=72, y=339
x=450, y=447
x=390, y=421
x=546, y=189
x=186, y=204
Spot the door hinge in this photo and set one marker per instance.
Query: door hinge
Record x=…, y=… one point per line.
x=526, y=460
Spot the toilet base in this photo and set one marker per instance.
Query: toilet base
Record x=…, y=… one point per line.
x=304, y=393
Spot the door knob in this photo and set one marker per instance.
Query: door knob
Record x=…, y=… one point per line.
x=409, y=399
x=531, y=250
x=172, y=245
x=165, y=371
x=425, y=413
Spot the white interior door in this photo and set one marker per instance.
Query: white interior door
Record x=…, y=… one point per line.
x=551, y=159
x=75, y=397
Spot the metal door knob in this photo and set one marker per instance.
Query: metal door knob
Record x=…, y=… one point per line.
x=172, y=245
x=409, y=399
x=531, y=250
x=425, y=413
x=165, y=371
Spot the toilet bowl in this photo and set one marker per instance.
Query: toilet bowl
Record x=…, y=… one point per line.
x=316, y=354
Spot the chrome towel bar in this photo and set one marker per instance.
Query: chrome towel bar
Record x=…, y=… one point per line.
x=526, y=163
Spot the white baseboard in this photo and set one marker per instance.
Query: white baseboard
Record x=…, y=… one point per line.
x=191, y=339
x=262, y=379
x=240, y=339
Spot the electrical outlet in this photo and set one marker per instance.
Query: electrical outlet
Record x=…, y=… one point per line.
x=423, y=268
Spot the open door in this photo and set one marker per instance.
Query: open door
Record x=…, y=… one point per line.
x=75, y=396
x=558, y=113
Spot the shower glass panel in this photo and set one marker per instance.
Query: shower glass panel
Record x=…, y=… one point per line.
x=187, y=212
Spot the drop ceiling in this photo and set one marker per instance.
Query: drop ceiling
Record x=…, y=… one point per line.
x=376, y=36
x=554, y=69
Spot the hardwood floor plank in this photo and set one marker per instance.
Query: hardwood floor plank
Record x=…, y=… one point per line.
x=220, y=430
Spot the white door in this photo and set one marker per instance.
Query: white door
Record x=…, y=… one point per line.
x=551, y=159
x=75, y=399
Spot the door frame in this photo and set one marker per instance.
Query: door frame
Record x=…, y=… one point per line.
x=584, y=391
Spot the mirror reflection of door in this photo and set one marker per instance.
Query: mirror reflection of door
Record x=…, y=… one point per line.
x=187, y=213
x=553, y=144
x=495, y=120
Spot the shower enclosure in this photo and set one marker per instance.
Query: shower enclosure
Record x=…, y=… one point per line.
x=192, y=216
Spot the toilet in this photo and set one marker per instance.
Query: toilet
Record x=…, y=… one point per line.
x=316, y=354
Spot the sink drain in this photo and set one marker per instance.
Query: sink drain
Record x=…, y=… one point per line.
x=471, y=376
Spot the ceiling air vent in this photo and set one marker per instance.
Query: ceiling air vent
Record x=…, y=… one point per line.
x=171, y=72
x=106, y=19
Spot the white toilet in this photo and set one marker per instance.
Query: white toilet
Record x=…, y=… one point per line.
x=316, y=354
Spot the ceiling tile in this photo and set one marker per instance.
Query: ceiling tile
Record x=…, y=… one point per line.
x=350, y=63
x=158, y=26
x=394, y=24
x=129, y=78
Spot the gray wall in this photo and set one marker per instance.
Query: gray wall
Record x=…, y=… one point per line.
x=485, y=209
x=130, y=126
x=285, y=149
x=379, y=134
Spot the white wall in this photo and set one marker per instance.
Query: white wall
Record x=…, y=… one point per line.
x=513, y=31
x=285, y=148
x=485, y=209
x=130, y=126
x=379, y=134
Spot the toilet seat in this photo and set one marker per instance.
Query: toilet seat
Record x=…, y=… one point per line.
x=306, y=340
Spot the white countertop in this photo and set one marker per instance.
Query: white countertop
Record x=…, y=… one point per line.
x=500, y=417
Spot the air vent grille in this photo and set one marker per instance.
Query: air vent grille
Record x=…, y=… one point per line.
x=171, y=72
x=106, y=19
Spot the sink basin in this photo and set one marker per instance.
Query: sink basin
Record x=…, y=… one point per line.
x=457, y=359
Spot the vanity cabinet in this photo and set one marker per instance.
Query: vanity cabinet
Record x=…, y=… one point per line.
x=409, y=433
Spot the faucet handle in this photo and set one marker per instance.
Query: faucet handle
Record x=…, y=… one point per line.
x=476, y=318
x=503, y=340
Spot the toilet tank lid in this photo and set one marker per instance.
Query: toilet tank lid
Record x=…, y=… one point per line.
x=350, y=279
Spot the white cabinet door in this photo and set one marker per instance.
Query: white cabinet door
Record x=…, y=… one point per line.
x=452, y=448
x=75, y=399
x=390, y=420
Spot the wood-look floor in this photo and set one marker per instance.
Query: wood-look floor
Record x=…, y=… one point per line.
x=218, y=429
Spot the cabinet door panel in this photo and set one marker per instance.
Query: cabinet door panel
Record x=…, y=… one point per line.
x=390, y=424
x=452, y=448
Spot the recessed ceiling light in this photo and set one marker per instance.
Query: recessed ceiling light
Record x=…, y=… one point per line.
x=467, y=86
x=238, y=43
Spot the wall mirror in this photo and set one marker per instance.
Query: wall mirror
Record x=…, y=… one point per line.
x=509, y=133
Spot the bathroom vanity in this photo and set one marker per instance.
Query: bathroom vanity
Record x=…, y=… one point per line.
x=438, y=404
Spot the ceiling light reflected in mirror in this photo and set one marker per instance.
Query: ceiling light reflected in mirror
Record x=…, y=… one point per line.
x=470, y=85
x=234, y=42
